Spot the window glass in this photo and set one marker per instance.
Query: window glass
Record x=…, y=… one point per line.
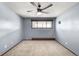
x=41, y=24
x=44, y=24
x=49, y=24
x=34, y=24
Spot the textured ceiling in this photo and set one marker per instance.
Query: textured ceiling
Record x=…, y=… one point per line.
x=21, y=8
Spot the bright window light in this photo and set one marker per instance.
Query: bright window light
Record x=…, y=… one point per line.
x=41, y=24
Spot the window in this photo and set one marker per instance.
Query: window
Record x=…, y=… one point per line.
x=41, y=24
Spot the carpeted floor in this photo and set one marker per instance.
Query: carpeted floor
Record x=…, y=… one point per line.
x=39, y=48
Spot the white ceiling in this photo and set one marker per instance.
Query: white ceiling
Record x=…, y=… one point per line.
x=21, y=8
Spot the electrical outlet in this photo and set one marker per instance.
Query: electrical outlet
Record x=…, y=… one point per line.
x=5, y=46
x=11, y=42
x=66, y=42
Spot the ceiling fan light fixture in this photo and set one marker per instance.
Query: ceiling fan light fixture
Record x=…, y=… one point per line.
x=39, y=13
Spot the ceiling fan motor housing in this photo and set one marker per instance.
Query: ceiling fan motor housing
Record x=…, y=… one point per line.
x=39, y=10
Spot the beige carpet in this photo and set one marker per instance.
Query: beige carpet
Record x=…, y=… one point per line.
x=39, y=48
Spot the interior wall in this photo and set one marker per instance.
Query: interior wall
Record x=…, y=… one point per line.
x=67, y=29
x=37, y=33
x=10, y=29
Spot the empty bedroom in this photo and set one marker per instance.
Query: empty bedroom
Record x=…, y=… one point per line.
x=39, y=28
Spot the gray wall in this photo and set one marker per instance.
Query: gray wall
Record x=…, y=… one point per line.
x=10, y=29
x=67, y=32
x=37, y=33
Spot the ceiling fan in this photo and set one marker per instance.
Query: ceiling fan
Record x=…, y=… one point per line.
x=39, y=9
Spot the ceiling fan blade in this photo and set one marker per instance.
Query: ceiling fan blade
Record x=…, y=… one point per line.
x=33, y=4
x=30, y=10
x=38, y=3
x=47, y=7
x=44, y=12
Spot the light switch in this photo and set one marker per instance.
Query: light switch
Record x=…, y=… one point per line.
x=11, y=42
x=5, y=46
x=59, y=22
x=66, y=42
